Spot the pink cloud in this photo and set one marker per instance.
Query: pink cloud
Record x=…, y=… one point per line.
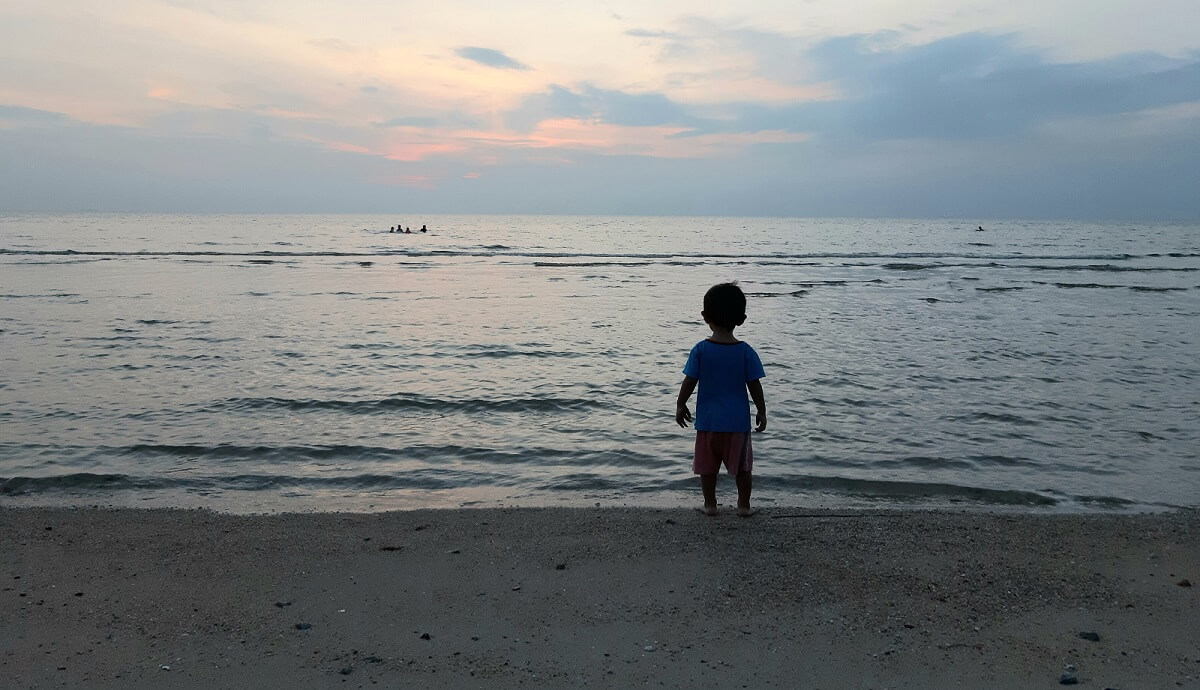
x=413, y=152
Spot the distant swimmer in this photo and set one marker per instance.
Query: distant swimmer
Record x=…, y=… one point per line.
x=423, y=228
x=392, y=229
x=407, y=231
x=980, y=229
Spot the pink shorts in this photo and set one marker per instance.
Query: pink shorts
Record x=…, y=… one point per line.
x=729, y=448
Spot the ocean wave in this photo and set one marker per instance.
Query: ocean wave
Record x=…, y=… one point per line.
x=636, y=478
x=915, y=267
x=48, y=295
x=1110, y=268
x=427, y=479
x=598, y=258
x=588, y=264
x=212, y=456
x=1086, y=285
x=794, y=293
x=474, y=351
x=399, y=402
x=901, y=491
x=450, y=479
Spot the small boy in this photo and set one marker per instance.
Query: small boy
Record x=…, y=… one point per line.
x=725, y=368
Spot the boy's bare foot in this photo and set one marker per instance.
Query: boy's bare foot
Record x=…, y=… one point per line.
x=746, y=511
x=709, y=510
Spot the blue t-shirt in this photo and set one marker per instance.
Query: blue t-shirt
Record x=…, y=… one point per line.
x=723, y=371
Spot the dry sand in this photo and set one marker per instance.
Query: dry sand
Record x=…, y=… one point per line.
x=500, y=598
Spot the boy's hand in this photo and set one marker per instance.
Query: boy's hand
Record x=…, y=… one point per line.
x=760, y=421
x=682, y=415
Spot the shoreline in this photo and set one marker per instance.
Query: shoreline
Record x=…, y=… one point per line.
x=250, y=503
x=614, y=597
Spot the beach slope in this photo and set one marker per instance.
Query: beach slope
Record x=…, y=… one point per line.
x=496, y=598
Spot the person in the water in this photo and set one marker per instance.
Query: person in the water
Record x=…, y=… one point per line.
x=423, y=229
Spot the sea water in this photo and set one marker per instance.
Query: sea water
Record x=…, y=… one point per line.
x=309, y=362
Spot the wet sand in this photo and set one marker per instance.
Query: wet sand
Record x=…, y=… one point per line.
x=496, y=598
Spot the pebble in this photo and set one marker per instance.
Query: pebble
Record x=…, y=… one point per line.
x=424, y=636
x=346, y=671
x=303, y=626
x=648, y=648
x=561, y=566
x=454, y=551
x=282, y=604
x=1184, y=582
x=1091, y=636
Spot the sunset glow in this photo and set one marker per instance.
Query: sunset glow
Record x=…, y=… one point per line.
x=463, y=85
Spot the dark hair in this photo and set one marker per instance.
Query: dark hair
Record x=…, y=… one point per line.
x=725, y=305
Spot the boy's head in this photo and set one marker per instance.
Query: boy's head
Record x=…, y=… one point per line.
x=725, y=306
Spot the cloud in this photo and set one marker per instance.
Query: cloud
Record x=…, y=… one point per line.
x=605, y=106
x=490, y=58
x=971, y=125
x=971, y=86
x=977, y=85
x=17, y=114
x=1099, y=172
x=649, y=33
x=454, y=120
x=427, y=122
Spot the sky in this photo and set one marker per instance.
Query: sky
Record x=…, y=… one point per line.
x=1084, y=109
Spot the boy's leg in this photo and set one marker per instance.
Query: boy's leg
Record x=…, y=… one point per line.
x=708, y=487
x=745, y=483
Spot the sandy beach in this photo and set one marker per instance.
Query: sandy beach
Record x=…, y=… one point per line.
x=598, y=597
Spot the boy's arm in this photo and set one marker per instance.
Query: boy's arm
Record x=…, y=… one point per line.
x=682, y=414
x=760, y=404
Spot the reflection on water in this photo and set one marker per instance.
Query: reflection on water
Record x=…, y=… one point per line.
x=313, y=361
